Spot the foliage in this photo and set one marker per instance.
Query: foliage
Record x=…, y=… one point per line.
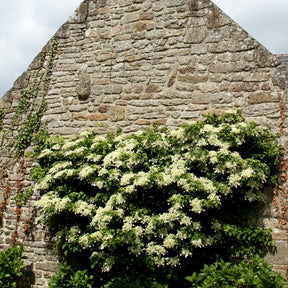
x=159, y=203
x=67, y=277
x=11, y=263
x=2, y=115
x=255, y=272
x=26, y=121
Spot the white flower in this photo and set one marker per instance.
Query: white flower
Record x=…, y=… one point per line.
x=201, y=142
x=44, y=184
x=109, y=159
x=78, y=151
x=102, y=172
x=235, y=130
x=196, y=205
x=208, y=185
x=197, y=243
x=169, y=242
x=59, y=174
x=173, y=261
x=126, y=179
x=94, y=157
x=44, y=153
x=224, y=150
x=86, y=171
x=98, y=184
x=164, y=179
x=213, y=157
x=98, y=138
x=142, y=179
x=208, y=128
x=168, y=217
x=108, y=264
x=213, y=140
x=229, y=165
x=216, y=226
x=61, y=203
x=197, y=226
x=234, y=180
x=185, y=221
x=96, y=236
x=83, y=208
x=153, y=248
x=56, y=147
x=231, y=111
x=130, y=144
x=214, y=198
x=86, y=134
x=186, y=253
x=242, y=124
x=84, y=241
x=178, y=133
x=247, y=173
x=71, y=144
x=120, y=199
x=181, y=236
x=129, y=189
x=138, y=231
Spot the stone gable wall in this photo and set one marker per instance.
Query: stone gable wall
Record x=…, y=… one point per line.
x=131, y=63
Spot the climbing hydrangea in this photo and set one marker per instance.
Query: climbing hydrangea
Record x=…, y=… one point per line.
x=159, y=197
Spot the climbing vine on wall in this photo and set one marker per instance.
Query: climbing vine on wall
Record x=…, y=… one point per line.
x=2, y=115
x=145, y=205
x=27, y=118
x=25, y=125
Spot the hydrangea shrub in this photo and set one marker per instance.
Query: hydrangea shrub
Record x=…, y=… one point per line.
x=159, y=203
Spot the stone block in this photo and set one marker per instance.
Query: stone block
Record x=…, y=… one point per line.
x=98, y=117
x=146, y=16
x=84, y=88
x=143, y=25
x=262, y=97
x=116, y=113
x=47, y=266
x=153, y=88
x=218, y=68
x=130, y=17
x=195, y=35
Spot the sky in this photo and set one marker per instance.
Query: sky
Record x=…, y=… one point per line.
x=27, y=25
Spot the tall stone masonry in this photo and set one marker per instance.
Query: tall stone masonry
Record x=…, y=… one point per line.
x=129, y=64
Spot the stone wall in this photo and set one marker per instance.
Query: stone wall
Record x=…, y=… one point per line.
x=131, y=63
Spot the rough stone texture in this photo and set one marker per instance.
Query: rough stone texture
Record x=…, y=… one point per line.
x=131, y=63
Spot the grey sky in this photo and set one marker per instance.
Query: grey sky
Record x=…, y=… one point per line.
x=26, y=26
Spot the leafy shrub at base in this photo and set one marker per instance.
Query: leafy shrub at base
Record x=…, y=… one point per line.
x=11, y=264
x=255, y=272
x=161, y=203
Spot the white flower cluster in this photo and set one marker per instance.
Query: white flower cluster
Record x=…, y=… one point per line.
x=83, y=208
x=51, y=204
x=86, y=171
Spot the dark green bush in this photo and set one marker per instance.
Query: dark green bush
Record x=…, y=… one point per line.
x=255, y=272
x=68, y=277
x=11, y=264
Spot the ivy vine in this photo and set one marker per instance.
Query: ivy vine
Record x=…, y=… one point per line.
x=27, y=118
x=25, y=125
x=2, y=116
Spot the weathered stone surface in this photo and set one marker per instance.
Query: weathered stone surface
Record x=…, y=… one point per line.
x=262, y=97
x=116, y=113
x=84, y=88
x=98, y=117
x=195, y=35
